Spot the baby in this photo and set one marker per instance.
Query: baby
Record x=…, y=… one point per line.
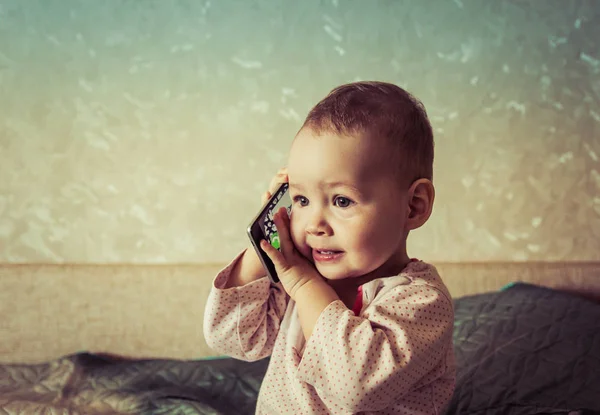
x=355, y=325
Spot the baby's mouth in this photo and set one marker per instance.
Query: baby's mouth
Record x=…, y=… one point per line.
x=326, y=255
x=327, y=252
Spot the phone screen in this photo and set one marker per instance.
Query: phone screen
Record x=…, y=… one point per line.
x=279, y=200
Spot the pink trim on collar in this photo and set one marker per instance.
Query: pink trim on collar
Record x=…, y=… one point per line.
x=358, y=303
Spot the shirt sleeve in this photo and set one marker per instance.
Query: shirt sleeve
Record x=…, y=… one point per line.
x=243, y=322
x=398, y=344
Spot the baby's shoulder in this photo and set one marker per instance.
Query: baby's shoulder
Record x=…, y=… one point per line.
x=419, y=280
x=423, y=273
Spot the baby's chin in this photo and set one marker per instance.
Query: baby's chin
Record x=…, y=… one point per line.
x=335, y=275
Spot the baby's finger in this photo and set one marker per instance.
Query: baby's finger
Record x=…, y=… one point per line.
x=280, y=178
x=276, y=182
x=266, y=196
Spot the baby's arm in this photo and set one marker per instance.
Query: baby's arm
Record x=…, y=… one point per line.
x=243, y=321
x=246, y=270
x=398, y=344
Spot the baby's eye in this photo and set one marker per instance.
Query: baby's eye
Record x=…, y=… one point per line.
x=342, y=202
x=301, y=200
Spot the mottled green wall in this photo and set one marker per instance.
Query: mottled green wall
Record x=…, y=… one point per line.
x=145, y=131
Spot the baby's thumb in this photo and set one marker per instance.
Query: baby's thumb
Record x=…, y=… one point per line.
x=274, y=255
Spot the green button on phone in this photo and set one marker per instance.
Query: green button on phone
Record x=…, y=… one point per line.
x=275, y=240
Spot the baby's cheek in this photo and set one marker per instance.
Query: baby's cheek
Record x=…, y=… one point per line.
x=370, y=243
x=297, y=235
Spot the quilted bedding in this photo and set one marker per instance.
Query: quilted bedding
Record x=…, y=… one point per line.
x=524, y=350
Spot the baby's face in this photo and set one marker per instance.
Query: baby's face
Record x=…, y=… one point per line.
x=349, y=210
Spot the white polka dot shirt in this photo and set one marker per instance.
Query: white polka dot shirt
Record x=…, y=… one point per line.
x=394, y=356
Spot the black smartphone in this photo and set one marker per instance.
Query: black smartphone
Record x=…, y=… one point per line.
x=263, y=227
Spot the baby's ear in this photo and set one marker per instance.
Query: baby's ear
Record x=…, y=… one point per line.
x=420, y=203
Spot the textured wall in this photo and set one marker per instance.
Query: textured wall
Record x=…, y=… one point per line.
x=145, y=131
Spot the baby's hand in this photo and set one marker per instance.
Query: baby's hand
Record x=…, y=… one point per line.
x=294, y=271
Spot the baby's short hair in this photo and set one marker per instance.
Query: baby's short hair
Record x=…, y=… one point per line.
x=379, y=109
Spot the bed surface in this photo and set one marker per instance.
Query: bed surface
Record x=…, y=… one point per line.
x=523, y=350
x=527, y=350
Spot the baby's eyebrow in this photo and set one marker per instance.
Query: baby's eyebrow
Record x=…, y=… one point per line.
x=327, y=185
x=342, y=184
